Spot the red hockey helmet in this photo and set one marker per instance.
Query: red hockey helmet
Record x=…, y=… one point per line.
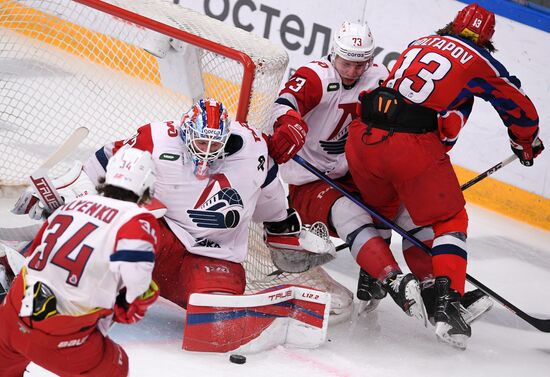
x=475, y=22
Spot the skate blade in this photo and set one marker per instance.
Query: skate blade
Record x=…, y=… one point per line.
x=477, y=309
x=418, y=309
x=457, y=341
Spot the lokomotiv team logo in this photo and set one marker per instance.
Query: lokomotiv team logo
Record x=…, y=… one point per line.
x=219, y=206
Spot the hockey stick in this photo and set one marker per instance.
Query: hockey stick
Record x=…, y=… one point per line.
x=540, y=324
x=45, y=190
x=466, y=185
x=43, y=186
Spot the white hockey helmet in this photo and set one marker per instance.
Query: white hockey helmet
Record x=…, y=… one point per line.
x=353, y=42
x=131, y=169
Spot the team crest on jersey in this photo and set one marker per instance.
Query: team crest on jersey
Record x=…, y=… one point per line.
x=219, y=206
x=335, y=146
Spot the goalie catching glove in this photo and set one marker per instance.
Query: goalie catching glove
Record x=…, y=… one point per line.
x=295, y=248
x=135, y=311
x=71, y=185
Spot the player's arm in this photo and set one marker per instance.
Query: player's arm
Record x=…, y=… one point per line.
x=302, y=92
x=517, y=112
x=451, y=122
x=133, y=260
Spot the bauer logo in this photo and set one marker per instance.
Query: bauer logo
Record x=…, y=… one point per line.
x=333, y=86
x=169, y=157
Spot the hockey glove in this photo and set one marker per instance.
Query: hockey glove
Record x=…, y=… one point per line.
x=289, y=136
x=135, y=311
x=71, y=185
x=295, y=248
x=526, y=150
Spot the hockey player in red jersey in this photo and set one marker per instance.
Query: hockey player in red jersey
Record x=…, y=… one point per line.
x=312, y=115
x=396, y=155
x=90, y=264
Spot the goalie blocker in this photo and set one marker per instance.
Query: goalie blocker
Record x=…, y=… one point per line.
x=295, y=248
x=287, y=315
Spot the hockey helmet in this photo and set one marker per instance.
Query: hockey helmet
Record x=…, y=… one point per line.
x=475, y=22
x=131, y=169
x=353, y=42
x=205, y=131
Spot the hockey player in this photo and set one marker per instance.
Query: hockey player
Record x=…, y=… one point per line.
x=91, y=263
x=312, y=115
x=396, y=156
x=214, y=176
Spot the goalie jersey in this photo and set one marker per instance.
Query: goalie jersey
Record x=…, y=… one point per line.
x=209, y=216
x=89, y=249
x=317, y=93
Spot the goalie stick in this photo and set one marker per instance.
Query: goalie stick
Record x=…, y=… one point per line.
x=540, y=324
x=44, y=188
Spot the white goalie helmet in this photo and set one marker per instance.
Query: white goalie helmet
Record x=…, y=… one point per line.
x=353, y=42
x=205, y=131
x=131, y=169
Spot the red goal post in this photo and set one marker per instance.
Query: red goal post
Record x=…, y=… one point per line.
x=114, y=65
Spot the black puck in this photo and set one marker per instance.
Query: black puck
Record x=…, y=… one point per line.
x=237, y=359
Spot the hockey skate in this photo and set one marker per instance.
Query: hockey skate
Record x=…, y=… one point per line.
x=405, y=291
x=474, y=303
x=450, y=326
x=370, y=291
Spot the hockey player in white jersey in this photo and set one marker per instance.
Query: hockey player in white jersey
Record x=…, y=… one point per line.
x=214, y=177
x=90, y=264
x=312, y=115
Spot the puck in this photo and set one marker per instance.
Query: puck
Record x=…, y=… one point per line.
x=237, y=359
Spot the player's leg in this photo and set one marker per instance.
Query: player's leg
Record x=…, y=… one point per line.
x=318, y=201
x=97, y=356
x=367, y=163
x=434, y=197
x=200, y=274
x=168, y=262
x=12, y=362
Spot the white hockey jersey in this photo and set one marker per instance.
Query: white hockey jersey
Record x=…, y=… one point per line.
x=317, y=93
x=210, y=216
x=89, y=249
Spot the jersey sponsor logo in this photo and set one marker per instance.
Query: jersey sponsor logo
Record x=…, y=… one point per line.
x=206, y=243
x=219, y=206
x=333, y=86
x=169, y=157
x=72, y=342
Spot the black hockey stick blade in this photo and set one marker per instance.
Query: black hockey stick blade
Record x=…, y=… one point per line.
x=540, y=324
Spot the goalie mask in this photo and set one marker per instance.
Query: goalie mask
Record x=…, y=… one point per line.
x=476, y=23
x=205, y=131
x=131, y=169
x=353, y=42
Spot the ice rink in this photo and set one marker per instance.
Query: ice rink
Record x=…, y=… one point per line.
x=509, y=257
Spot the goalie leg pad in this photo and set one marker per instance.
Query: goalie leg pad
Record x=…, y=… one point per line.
x=291, y=315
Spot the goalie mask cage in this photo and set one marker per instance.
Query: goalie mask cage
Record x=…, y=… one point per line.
x=113, y=65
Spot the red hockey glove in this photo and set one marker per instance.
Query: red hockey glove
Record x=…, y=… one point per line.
x=526, y=150
x=132, y=313
x=289, y=136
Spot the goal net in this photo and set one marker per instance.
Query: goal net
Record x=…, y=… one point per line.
x=113, y=65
